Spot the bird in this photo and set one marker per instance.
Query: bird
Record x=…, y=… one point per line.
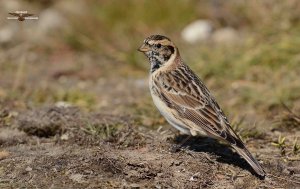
x=183, y=99
x=21, y=16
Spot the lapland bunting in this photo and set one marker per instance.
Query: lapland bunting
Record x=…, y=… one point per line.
x=183, y=99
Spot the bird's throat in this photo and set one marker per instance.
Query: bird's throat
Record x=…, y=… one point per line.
x=155, y=64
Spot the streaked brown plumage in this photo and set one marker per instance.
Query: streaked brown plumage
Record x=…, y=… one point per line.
x=184, y=100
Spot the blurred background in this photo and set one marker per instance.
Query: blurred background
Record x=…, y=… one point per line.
x=84, y=54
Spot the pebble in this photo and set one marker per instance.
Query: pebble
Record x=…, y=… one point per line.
x=226, y=36
x=28, y=169
x=197, y=31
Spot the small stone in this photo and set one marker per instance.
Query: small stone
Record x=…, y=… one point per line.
x=226, y=36
x=136, y=186
x=3, y=154
x=64, y=137
x=177, y=163
x=62, y=104
x=193, y=178
x=50, y=20
x=7, y=34
x=197, y=31
x=77, y=178
x=28, y=169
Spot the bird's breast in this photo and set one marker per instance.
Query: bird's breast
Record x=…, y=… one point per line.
x=156, y=97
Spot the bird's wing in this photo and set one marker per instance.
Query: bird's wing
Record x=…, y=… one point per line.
x=192, y=100
x=27, y=14
x=14, y=14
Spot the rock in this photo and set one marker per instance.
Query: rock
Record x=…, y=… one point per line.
x=135, y=186
x=64, y=137
x=77, y=178
x=62, y=104
x=10, y=136
x=226, y=35
x=197, y=31
x=3, y=154
x=50, y=20
x=28, y=169
x=7, y=34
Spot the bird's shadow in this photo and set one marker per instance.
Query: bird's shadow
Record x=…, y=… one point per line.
x=209, y=145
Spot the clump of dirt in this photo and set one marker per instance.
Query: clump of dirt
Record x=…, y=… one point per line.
x=70, y=122
x=4, y=114
x=288, y=120
x=47, y=122
x=10, y=136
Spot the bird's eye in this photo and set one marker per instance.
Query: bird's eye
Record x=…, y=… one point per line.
x=158, y=45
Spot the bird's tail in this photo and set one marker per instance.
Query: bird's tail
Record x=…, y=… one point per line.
x=250, y=159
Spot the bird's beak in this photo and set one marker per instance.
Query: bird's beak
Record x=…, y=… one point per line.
x=144, y=48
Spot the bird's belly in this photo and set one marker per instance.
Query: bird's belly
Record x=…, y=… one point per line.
x=169, y=115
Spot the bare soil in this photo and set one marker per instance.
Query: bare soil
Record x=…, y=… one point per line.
x=64, y=147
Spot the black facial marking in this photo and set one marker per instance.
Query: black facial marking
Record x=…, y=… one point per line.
x=171, y=49
x=166, y=57
x=155, y=64
x=154, y=53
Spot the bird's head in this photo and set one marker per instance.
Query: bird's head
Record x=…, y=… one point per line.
x=159, y=50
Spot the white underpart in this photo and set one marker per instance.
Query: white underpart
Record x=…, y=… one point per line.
x=176, y=123
x=164, y=110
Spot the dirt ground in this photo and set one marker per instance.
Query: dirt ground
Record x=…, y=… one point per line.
x=66, y=147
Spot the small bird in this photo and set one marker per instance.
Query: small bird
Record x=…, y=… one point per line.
x=184, y=100
x=21, y=16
